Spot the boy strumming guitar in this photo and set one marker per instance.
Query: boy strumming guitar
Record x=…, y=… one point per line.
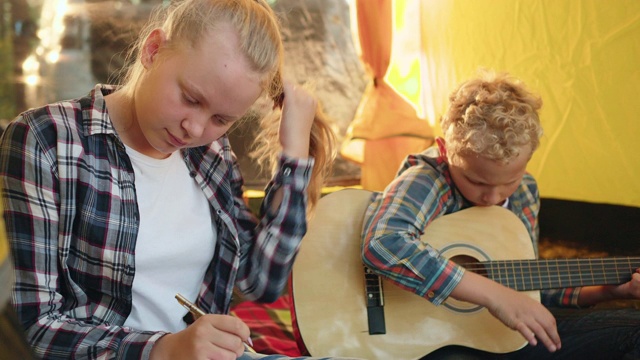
x=491, y=130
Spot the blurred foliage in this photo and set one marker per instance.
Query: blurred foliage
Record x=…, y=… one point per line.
x=18, y=26
x=7, y=76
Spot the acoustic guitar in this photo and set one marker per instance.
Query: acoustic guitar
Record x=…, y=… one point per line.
x=341, y=309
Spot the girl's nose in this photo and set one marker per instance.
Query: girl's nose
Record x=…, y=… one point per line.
x=195, y=125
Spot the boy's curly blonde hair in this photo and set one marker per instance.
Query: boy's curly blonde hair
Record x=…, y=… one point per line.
x=493, y=116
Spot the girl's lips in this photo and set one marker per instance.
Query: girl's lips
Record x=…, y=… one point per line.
x=176, y=141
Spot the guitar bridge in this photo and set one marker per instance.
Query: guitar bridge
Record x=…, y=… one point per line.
x=375, y=303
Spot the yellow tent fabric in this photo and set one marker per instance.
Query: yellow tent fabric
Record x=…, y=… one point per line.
x=581, y=56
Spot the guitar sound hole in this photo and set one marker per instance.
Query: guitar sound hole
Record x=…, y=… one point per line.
x=470, y=264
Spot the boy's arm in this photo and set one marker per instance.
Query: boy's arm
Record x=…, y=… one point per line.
x=592, y=295
x=516, y=310
x=392, y=230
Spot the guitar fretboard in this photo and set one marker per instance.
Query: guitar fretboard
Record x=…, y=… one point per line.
x=526, y=275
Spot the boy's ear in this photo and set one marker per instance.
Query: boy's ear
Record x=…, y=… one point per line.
x=156, y=39
x=441, y=146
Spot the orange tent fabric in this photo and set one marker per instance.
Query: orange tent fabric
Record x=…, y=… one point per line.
x=386, y=126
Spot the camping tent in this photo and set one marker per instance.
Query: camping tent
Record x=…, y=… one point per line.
x=582, y=57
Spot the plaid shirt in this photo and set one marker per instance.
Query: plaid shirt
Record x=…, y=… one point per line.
x=397, y=217
x=72, y=219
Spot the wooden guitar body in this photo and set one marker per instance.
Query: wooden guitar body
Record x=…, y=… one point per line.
x=328, y=285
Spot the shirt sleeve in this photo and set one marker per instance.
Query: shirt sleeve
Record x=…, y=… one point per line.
x=561, y=297
x=264, y=274
x=393, y=226
x=31, y=201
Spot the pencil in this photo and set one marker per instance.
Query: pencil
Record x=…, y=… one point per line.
x=197, y=312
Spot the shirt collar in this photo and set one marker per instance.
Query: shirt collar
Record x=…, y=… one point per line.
x=95, y=113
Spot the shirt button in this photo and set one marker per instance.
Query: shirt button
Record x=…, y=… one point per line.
x=192, y=174
x=219, y=211
x=287, y=171
x=431, y=294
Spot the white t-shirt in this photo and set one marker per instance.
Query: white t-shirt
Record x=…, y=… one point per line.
x=175, y=243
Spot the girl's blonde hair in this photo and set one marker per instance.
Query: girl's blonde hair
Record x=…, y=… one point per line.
x=187, y=22
x=494, y=116
x=322, y=147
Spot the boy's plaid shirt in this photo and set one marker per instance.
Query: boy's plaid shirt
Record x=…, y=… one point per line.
x=422, y=192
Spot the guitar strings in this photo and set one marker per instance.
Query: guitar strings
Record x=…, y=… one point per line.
x=530, y=274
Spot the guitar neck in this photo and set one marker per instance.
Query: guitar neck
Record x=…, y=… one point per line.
x=527, y=275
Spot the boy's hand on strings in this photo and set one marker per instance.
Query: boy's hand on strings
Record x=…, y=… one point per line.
x=516, y=310
x=592, y=295
x=520, y=312
x=628, y=290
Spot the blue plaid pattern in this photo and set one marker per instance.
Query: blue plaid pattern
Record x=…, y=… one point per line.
x=72, y=220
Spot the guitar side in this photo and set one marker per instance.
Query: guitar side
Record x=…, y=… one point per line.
x=328, y=287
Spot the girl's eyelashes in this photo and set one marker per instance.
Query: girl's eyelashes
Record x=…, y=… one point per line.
x=189, y=99
x=220, y=120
